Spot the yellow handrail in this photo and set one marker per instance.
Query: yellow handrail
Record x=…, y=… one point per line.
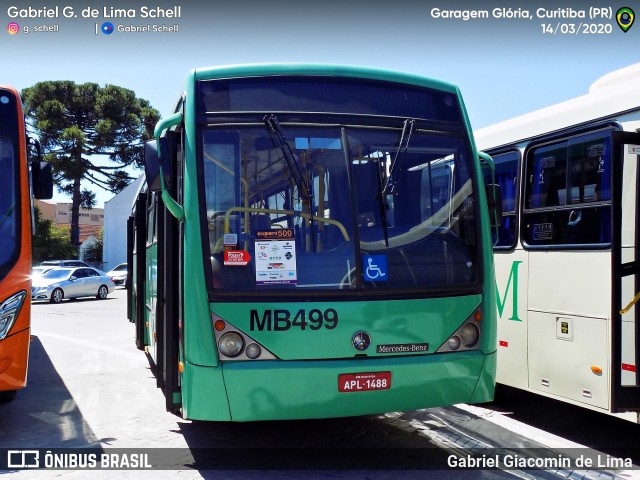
x=307, y=216
x=631, y=304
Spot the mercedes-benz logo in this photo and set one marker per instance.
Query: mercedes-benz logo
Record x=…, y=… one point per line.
x=361, y=341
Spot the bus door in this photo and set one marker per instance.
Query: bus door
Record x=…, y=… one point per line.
x=566, y=230
x=625, y=257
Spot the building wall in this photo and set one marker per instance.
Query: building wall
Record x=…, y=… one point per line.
x=60, y=213
x=95, y=216
x=90, y=221
x=116, y=212
x=47, y=210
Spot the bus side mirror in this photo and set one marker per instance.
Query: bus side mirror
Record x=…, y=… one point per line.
x=41, y=172
x=152, y=162
x=42, y=179
x=151, y=166
x=160, y=163
x=494, y=201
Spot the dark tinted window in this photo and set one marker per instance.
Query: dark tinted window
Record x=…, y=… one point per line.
x=10, y=213
x=568, y=198
x=327, y=94
x=506, y=175
x=9, y=233
x=80, y=273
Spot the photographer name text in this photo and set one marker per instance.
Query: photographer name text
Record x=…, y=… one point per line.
x=91, y=12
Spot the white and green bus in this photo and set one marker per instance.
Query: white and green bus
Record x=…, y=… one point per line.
x=567, y=259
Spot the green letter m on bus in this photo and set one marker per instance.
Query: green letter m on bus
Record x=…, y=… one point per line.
x=502, y=300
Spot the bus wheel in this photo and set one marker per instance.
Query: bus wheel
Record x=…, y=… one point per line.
x=7, y=396
x=57, y=296
x=103, y=291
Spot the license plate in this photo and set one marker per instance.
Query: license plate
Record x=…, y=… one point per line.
x=364, y=382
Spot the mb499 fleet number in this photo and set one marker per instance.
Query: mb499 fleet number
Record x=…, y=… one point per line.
x=281, y=320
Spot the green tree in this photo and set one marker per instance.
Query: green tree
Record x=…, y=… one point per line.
x=93, y=254
x=81, y=125
x=51, y=241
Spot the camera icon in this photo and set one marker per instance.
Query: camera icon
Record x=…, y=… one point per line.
x=13, y=28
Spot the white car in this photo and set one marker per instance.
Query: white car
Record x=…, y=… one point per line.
x=60, y=283
x=118, y=274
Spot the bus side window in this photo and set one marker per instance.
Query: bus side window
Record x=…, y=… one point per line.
x=568, y=193
x=590, y=174
x=151, y=219
x=548, y=181
x=506, y=175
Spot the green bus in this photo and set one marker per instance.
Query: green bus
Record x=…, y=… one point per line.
x=314, y=241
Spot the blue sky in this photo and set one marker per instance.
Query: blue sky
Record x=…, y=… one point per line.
x=504, y=66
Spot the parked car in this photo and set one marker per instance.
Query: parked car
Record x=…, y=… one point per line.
x=63, y=263
x=118, y=274
x=39, y=270
x=60, y=283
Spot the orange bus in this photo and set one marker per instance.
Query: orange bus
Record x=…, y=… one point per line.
x=20, y=180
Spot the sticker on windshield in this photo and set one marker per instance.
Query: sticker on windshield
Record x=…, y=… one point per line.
x=275, y=255
x=237, y=258
x=230, y=241
x=375, y=268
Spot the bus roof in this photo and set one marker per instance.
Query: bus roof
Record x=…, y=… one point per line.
x=9, y=87
x=246, y=70
x=614, y=94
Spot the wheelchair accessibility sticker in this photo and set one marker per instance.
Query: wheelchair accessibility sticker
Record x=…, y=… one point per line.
x=375, y=268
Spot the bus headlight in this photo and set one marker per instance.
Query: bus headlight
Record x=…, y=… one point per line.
x=231, y=344
x=9, y=312
x=470, y=335
x=253, y=351
x=235, y=345
x=466, y=336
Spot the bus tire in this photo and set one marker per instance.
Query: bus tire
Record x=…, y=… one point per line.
x=103, y=291
x=56, y=296
x=7, y=395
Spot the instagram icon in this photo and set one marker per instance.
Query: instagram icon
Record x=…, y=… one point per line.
x=13, y=28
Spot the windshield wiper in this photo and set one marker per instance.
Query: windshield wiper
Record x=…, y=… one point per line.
x=301, y=181
x=407, y=130
x=8, y=215
x=271, y=121
x=382, y=203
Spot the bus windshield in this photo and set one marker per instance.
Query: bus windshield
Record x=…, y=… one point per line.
x=334, y=183
x=317, y=212
x=9, y=241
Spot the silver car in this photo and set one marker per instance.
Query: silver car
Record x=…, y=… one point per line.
x=60, y=283
x=118, y=274
x=39, y=270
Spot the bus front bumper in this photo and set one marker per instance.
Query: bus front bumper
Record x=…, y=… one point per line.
x=284, y=390
x=14, y=354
